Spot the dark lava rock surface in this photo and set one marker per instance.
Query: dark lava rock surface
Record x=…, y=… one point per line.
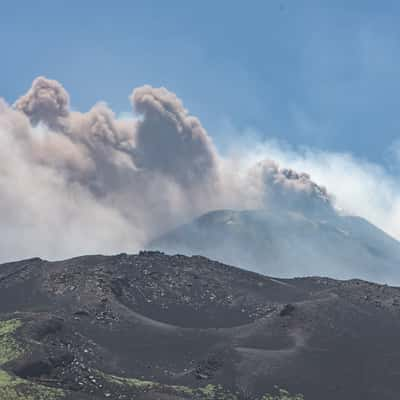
x=152, y=326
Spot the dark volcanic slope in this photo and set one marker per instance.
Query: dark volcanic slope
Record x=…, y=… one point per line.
x=286, y=244
x=152, y=326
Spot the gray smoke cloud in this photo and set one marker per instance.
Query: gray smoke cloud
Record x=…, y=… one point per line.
x=286, y=188
x=73, y=182
x=46, y=101
x=171, y=141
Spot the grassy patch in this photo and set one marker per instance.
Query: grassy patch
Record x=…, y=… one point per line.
x=12, y=387
x=9, y=348
x=209, y=392
x=282, y=395
x=131, y=382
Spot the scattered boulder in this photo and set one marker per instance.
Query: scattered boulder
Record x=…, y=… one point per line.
x=287, y=310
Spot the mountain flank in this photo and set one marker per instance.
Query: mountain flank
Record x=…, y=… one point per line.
x=153, y=326
x=289, y=243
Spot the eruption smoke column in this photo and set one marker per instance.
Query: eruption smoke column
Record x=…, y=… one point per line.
x=171, y=141
x=89, y=182
x=46, y=101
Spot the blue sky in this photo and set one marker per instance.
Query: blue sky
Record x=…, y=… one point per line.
x=310, y=73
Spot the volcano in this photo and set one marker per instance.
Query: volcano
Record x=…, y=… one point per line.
x=289, y=243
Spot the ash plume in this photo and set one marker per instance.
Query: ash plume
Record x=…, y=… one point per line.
x=46, y=101
x=286, y=188
x=88, y=182
x=169, y=140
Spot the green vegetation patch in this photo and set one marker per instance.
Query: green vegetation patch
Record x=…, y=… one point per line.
x=282, y=395
x=131, y=382
x=9, y=348
x=209, y=392
x=12, y=387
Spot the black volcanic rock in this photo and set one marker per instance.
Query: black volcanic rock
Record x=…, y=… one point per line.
x=152, y=326
x=287, y=244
